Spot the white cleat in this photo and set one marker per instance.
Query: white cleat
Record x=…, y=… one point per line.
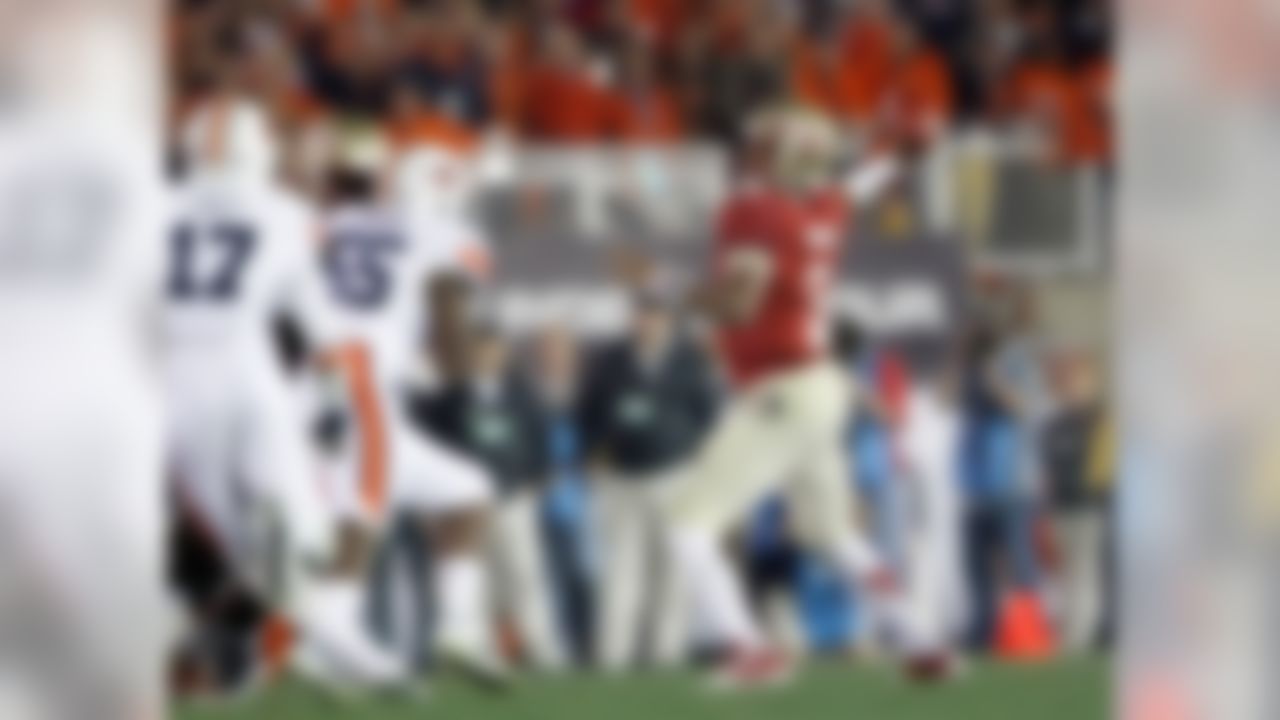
x=484, y=669
x=350, y=663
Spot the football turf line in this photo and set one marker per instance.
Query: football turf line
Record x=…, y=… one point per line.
x=1067, y=690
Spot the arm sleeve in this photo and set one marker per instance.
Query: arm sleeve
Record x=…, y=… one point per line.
x=867, y=182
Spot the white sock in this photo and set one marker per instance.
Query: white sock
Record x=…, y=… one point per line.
x=463, y=600
x=715, y=589
x=857, y=559
x=333, y=602
x=332, y=624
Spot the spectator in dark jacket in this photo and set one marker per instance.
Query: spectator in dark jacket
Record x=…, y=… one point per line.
x=647, y=402
x=490, y=414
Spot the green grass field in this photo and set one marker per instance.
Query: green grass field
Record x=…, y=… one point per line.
x=1067, y=690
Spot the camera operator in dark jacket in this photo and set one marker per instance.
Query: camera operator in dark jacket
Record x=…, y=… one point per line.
x=487, y=411
x=646, y=404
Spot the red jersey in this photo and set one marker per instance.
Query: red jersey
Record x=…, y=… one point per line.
x=802, y=237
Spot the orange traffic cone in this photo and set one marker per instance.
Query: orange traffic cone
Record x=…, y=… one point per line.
x=1023, y=633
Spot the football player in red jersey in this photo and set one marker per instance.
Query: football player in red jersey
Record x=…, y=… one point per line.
x=773, y=271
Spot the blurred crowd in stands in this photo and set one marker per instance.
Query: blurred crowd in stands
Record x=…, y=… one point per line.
x=662, y=71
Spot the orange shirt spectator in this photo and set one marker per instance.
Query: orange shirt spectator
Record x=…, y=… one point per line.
x=866, y=47
x=816, y=78
x=918, y=99
x=659, y=19
x=565, y=105
x=1045, y=94
x=1094, y=138
x=846, y=78
x=561, y=100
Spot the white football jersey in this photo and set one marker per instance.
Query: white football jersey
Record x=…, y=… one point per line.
x=378, y=275
x=78, y=261
x=239, y=254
